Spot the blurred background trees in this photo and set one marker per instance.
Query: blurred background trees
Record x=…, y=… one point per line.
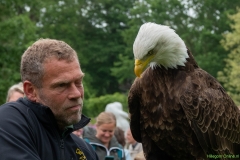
x=103, y=31
x=230, y=75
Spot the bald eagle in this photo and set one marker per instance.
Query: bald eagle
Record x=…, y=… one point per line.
x=177, y=110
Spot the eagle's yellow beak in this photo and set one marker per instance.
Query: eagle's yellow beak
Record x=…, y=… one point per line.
x=140, y=65
x=138, y=69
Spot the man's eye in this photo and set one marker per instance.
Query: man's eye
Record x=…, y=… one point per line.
x=79, y=83
x=62, y=85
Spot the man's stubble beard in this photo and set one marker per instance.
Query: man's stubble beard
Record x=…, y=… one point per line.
x=62, y=119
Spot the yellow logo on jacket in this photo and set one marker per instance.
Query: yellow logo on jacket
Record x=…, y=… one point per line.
x=81, y=154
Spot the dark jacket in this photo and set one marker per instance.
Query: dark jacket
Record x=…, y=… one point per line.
x=29, y=131
x=115, y=150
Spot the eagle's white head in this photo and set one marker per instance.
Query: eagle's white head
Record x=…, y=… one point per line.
x=158, y=45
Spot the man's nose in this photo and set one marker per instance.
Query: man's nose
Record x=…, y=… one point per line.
x=75, y=92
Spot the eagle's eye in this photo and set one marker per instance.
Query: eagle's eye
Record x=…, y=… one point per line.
x=150, y=52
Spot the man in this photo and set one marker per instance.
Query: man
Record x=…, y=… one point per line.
x=133, y=146
x=15, y=92
x=39, y=126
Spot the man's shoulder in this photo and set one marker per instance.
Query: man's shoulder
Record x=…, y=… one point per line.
x=15, y=114
x=13, y=107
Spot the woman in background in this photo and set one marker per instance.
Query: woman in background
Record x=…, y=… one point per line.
x=102, y=139
x=15, y=92
x=133, y=146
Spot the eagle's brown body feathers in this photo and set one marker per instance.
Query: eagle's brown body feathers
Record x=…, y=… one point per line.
x=183, y=113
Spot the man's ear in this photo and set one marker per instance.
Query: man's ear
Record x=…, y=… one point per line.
x=30, y=91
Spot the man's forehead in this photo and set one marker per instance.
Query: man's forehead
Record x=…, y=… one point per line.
x=55, y=57
x=69, y=78
x=62, y=69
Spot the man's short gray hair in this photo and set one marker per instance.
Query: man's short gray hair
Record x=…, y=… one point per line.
x=40, y=51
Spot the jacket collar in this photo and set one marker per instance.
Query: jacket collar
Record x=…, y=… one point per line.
x=45, y=115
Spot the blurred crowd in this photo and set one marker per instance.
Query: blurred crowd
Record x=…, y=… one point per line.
x=110, y=139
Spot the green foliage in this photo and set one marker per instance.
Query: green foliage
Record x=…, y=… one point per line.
x=230, y=76
x=19, y=31
x=93, y=29
x=122, y=73
x=93, y=106
x=207, y=65
x=208, y=24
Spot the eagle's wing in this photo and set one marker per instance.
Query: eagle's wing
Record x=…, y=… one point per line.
x=134, y=110
x=212, y=115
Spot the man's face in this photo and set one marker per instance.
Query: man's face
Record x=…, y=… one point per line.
x=62, y=90
x=105, y=132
